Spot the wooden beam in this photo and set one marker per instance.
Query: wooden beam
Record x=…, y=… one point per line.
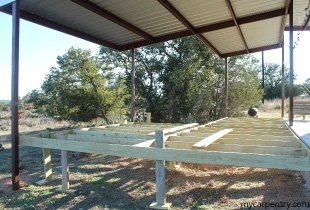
x=210, y=139
x=250, y=149
x=112, y=134
x=249, y=126
x=181, y=155
x=47, y=164
x=65, y=170
x=160, y=176
x=252, y=132
x=234, y=140
x=208, y=28
x=188, y=25
x=266, y=136
x=14, y=94
x=108, y=140
x=47, y=161
x=252, y=50
x=178, y=128
x=233, y=15
x=115, y=19
x=183, y=128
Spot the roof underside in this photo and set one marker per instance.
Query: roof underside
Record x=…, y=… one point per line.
x=228, y=27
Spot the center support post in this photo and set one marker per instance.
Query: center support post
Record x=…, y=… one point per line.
x=160, y=176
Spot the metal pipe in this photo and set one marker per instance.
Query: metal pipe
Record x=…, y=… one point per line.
x=226, y=86
x=263, y=77
x=291, y=89
x=282, y=81
x=14, y=96
x=133, y=86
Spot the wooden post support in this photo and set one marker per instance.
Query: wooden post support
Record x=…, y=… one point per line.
x=282, y=81
x=47, y=159
x=148, y=117
x=291, y=88
x=160, y=176
x=64, y=170
x=14, y=94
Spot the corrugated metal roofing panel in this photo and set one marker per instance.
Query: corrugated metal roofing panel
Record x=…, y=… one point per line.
x=299, y=12
x=247, y=7
x=225, y=40
x=262, y=33
x=150, y=16
x=80, y=19
x=202, y=12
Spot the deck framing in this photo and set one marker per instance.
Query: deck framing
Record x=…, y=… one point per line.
x=258, y=146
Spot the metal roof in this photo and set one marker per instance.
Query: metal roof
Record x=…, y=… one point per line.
x=228, y=27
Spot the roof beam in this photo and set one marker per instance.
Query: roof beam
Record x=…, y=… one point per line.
x=188, y=25
x=233, y=15
x=287, y=5
x=211, y=27
x=53, y=25
x=251, y=50
x=115, y=19
x=297, y=28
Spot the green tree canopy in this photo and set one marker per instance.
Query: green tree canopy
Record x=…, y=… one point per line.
x=182, y=79
x=78, y=89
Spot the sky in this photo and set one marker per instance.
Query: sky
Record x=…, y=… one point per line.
x=40, y=46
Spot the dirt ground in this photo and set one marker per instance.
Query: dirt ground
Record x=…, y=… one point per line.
x=106, y=182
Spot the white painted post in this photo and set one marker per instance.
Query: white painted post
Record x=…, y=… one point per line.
x=160, y=176
x=64, y=170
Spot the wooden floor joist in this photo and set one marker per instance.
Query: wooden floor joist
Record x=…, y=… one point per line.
x=247, y=142
x=168, y=154
x=212, y=138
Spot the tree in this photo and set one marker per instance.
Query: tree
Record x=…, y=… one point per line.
x=306, y=86
x=182, y=78
x=79, y=89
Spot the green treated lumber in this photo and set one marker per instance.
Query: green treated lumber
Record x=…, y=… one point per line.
x=212, y=138
x=170, y=131
x=229, y=140
x=103, y=139
x=113, y=134
x=255, y=149
x=252, y=132
x=178, y=128
x=245, y=136
x=181, y=155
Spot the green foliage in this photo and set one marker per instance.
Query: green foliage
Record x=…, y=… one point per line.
x=273, y=82
x=78, y=90
x=306, y=87
x=182, y=79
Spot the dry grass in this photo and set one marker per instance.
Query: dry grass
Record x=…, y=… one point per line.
x=106, y=182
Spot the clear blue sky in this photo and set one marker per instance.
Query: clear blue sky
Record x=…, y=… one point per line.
x=39, y=47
